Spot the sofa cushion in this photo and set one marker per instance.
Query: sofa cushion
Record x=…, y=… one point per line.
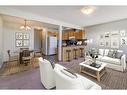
x=110, y=60
x=69, y=73
x=101, y=52
x=106, y=52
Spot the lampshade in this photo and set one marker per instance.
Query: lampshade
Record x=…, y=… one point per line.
x=25, y=26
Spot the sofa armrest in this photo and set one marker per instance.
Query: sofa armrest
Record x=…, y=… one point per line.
x=123, y=61
x=95, y=87
x=60, y=67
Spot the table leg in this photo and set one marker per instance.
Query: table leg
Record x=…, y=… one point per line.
x=98, y=76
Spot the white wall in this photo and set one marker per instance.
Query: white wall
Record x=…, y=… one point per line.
x=9, y=38
x=1, y=41
x=37, y=39
x=93, y=32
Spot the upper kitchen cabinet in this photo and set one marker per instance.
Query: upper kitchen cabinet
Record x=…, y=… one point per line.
x=78, y=34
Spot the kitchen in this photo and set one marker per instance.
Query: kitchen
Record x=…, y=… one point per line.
x=73, y=44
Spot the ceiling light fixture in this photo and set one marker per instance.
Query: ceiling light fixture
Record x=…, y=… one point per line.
x=25, y=26
x=88, y=9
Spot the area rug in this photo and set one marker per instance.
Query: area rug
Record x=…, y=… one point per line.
x=15, y=67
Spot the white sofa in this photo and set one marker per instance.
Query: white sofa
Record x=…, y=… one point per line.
x=114, y=63
x=54, y=77
x=67, y=81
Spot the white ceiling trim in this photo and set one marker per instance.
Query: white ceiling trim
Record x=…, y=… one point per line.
x=30, y=16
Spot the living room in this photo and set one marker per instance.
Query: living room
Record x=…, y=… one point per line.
x=104, y=42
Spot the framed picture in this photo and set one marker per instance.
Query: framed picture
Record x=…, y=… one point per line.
x=26, y=35
x=101, y=36
x=25, y=42
x=19, y=35
x=107, y=42
x=115, y=33
x=101, y=43
x=107, y=34
x=123, y=41
x=114, y=43
x=19, y=43
x=122, y=33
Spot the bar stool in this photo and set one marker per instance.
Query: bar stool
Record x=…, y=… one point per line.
x=81, y=49
x=68, y=52
x=75, y=50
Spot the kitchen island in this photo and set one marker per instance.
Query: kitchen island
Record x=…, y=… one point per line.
x=72, y=52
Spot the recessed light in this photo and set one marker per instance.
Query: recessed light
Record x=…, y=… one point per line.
x=88, y=9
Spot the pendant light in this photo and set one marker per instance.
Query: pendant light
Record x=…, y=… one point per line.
x=25, y=26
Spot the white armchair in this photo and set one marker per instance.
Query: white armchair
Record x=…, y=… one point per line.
x=65, y=82
x=46, y=73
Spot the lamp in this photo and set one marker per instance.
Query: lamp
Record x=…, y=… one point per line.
x=25, y=26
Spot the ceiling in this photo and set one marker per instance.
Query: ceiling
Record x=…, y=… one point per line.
x=35, y=24
x=73, y=15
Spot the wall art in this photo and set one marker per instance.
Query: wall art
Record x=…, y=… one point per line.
x=114, y=43
x=122, y=33
x=115, y=33
x=101, y=43
x=107, y=43
x=107, y=34
x=19, y=35
x=19, y=43
x=22, y=39
x=123, y=41
x=25, y=42
x=26, y=35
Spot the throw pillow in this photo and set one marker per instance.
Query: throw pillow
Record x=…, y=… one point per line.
x=119, y=55
x=114, y=53
x=106, y=52
x=87, y=53
x=110, y=53
x=101, y=52
x=69, y=73
x=90, y=52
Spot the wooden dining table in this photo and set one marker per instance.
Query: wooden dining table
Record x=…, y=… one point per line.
x=20, y=54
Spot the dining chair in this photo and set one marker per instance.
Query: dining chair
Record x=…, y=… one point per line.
x=12, y=57
x=26, y=58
